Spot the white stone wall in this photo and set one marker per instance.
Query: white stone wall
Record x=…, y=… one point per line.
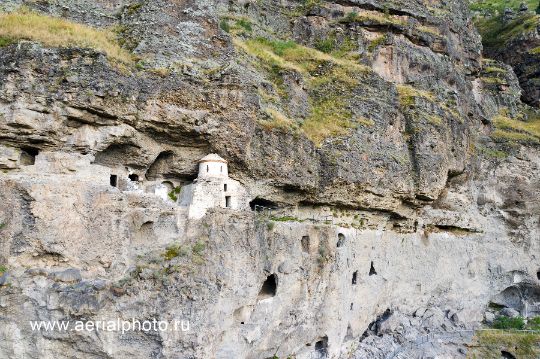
x=210, y=193
x=209, y=169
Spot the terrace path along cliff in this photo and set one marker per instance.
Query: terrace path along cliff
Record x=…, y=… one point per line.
x=393, y=185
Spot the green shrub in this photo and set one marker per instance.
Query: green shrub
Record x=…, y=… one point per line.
x=244, y=23
x=198, y=247
x=224, y=25
x=534, y=323
x=509, y=323
x=173, y=194
x=3, y=269
x=173, y=251
x=326, y=45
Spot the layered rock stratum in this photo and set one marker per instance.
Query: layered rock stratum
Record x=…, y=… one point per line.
x=400, y=165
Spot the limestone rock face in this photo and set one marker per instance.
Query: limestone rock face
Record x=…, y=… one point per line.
x=385, y=208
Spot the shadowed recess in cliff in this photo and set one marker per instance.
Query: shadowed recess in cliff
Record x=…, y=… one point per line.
x=269, y=288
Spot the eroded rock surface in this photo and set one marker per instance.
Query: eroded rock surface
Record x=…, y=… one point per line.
x=406, y=221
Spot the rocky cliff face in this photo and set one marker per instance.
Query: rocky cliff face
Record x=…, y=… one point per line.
x=404, y=181
x=512, y=35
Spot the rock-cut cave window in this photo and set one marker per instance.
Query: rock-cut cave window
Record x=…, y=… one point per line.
x=341, y=240
x=114, y=180
x=354, y=277
x=228, y=201
x=372, y=270
x=133, y=177
x=321, y=347
x=269, y=287
x=305, y=244
x=28, y=156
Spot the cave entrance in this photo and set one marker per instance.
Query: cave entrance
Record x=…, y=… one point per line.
x=321, y=347
x=228, y=201
x=269, y=288
x=114, y=180
x=354, y=277
x=341, y=240
x=538, y=275
x=305, y=244
x=28, y=156
x=260, y=204
x=372, y=270
x=507, y=355
x=133, y=177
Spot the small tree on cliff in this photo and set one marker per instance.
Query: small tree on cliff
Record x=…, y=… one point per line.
x=538, y=8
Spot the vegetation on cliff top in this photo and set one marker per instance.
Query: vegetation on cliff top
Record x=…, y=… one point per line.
x=495, y=31
x=327, y=76
x=498, y=6
x=56, y=32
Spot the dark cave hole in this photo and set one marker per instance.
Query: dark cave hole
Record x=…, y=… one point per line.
x=133, y=177
x=28, y=156
x=538, y=275
x=260, y=204
x=114, y=180
x=341, y=240
x=269, y=287
x=354, y=277
x=507, y=355
x=305, y=244
x=372, y=270
x=321, y=345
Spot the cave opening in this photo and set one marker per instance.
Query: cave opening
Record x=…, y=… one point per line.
x=321, y=347
x=305, y=244
x=28, y=156
x=269, y=287
x=260, y=204
x=372, y=270
x=114, y=180
x=161, y=167
x=228, y=201
x=507, y=355
x=538, y=275
x=354, y=277
x=341, y=240
x=133, y=177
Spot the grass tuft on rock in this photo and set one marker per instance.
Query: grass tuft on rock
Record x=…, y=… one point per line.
x=330, y=80
x=56, y=32
x=517, y=130
x=490, y=343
